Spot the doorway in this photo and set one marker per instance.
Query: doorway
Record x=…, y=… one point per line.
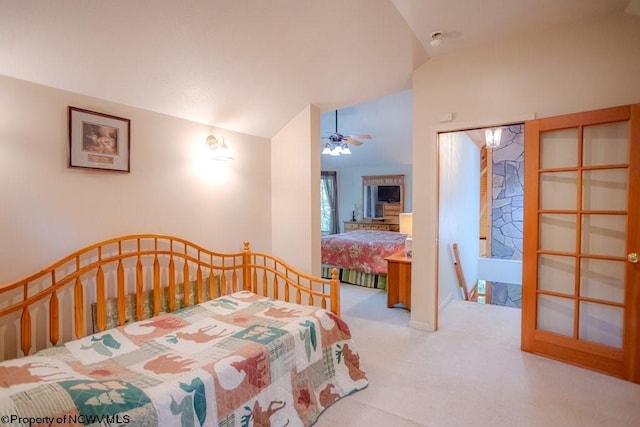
x=581, y=268
x=480, y=202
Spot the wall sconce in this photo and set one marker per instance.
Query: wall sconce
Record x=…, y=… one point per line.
x=406, y=227
x=219, y=148
x=492, y=137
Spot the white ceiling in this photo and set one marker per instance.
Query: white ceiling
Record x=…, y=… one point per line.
x=389, y=122
x=252, y=65
x=469, y=23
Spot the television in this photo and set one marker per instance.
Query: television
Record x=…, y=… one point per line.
x=389, y=193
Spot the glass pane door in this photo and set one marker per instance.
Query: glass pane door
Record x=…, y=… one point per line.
x=582, y=231
x=581, y=282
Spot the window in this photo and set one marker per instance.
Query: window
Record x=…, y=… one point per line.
x=328, y=203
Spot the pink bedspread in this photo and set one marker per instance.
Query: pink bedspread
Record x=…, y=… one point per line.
x=362, y=250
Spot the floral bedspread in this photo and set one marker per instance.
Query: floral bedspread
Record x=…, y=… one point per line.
x=362, y=250
x=239, y=360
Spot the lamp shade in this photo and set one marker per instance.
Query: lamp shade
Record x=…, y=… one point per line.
x=219, y=148
x=406, y=224
x=223, y=153
x=493, y=137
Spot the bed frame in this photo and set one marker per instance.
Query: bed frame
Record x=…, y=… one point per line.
x=355, y=277
x=359, y=256
x=69, y=299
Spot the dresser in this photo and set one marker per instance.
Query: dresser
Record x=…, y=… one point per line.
x=369, y=225
x=399, y=280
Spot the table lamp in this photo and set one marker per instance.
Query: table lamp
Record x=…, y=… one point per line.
x=406, y=227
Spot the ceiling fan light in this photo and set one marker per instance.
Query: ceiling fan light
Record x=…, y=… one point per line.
x=337, y=143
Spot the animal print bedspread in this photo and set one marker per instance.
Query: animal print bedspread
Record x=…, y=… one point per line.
x=239, y=360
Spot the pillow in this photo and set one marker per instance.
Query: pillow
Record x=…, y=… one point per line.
x=147, y=301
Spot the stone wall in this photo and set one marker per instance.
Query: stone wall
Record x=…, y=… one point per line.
x=508, y=194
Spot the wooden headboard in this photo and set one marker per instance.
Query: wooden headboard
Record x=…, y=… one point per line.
x=68, y=300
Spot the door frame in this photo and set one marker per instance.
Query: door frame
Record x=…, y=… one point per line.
x=459, y=127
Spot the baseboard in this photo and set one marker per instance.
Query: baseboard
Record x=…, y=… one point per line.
x=445, y=302
x=428, y=326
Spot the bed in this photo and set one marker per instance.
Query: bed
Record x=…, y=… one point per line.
x=156, y=330
x=360, y=256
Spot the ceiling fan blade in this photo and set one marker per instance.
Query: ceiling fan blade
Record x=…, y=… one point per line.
x=337, y=137
x=352, y=141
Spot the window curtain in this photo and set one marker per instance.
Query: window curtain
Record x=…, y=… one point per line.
x=329, y=202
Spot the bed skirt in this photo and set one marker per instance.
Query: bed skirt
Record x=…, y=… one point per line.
x=353, y=277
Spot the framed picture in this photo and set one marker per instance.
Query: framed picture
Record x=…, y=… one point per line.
x=98, y=141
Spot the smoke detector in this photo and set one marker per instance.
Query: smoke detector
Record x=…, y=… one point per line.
x=436, y=39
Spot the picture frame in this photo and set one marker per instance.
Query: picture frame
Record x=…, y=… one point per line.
x=99, y=141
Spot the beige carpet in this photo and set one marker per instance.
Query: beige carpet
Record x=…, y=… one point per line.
x=469, y=373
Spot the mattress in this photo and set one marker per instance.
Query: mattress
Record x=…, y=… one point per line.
x=361, y=250
x=237, y=360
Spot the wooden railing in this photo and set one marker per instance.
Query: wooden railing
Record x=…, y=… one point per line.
x=274, y=278
x=70, y=299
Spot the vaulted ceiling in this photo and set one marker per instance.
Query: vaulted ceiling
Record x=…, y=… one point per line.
x=252, y=65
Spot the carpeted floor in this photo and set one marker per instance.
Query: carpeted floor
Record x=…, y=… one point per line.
x=469, y=373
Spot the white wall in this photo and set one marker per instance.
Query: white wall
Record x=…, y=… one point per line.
x=48, y=210
x=577, y=68
x=500, y=270
x=350, y=187
x=459, y=213
x=295, y=166
x=388, y=120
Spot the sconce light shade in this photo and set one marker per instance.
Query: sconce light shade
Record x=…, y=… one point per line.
x=219, y=148
x=492, y=137
x=406, y=227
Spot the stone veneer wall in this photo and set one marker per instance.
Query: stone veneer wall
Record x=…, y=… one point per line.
x=508, y=194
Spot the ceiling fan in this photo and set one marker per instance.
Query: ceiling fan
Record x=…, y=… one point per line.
x=337, y=143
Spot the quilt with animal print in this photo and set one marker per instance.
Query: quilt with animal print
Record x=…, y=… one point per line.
x=239, y=360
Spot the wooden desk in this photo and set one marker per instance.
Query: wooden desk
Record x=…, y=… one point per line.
x=399, y=280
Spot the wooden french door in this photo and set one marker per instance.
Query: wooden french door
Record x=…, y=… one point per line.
x=581, y=275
